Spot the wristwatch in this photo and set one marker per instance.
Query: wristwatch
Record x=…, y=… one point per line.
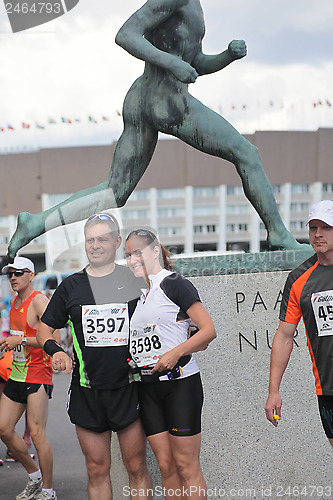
x=24, y=341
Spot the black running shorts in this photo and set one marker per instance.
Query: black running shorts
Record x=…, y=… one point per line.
x=325, y=404
x=172, y=405
x=100, y=410
x=19, y=391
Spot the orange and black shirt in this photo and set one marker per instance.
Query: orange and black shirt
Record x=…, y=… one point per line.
x=30, y=364
x=308, y=293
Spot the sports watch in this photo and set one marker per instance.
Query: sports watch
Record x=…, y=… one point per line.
x=24, y=341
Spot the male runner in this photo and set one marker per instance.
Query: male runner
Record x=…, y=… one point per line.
x=167, y=35
x=30, y=383
x=101, y=398
x=308, y=293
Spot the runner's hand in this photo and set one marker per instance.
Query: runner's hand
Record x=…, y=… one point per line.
x=62, y=362
x=273, y=407
x=10, y=343
x=166, y=362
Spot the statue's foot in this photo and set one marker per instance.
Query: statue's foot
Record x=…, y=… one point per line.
x=286, y=241
x=27, y=229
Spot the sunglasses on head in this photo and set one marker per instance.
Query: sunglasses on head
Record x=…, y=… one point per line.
x=102, y=217
x=142, y=232
x=17, y=273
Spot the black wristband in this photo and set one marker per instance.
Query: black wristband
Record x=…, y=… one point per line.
x=51, y=347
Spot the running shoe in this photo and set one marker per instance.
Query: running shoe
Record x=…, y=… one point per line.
x=10, y=457
x=31, y=490
x=44, y=495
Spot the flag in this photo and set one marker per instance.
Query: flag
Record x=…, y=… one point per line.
x=52, y=121
x=41, y=127
x=10, y=127
x=91, y=119
x=25, y=125
x=65, y=120
x=105, y=119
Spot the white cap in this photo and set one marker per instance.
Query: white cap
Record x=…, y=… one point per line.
x=20, y=263
x=323, y=210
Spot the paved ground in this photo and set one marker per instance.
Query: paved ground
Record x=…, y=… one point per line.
x=69, y=474
x=69, y=471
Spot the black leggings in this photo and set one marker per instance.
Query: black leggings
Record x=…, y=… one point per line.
x=172, y=405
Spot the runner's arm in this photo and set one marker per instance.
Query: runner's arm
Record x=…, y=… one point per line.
x=197, y=342
x=281, y=350
x=60, y=360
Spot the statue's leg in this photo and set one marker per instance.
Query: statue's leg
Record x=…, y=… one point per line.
x=131, y=157
x=209, y=132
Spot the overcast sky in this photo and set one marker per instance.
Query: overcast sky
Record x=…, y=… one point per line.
x=72, y=68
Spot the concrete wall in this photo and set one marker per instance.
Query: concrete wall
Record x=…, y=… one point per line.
x=243, y=455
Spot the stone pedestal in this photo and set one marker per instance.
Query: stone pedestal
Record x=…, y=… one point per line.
x=243, y=455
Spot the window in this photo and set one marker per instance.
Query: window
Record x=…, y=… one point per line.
x=170, y=212
x=300, y=188
x=170, y=230
x=297, y=224
x=205, y=210
x=204, y=192
x=299, y=207
x=237, y=209
x=204, y=229
x=170, y=193
x=140, y=213
x=276, y=188
x=237, y=228
x=140, y=194
x=328, y=188
x=235, y=190
x=4, y=222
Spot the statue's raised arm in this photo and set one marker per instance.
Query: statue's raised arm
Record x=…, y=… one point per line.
x=206, y=64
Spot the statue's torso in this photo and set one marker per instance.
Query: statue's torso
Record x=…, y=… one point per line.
x=182, y=33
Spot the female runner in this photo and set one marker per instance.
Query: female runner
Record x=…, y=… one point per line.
x=170, y=391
